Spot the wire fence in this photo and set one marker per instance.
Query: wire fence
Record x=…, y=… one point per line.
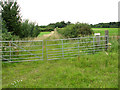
x=19, y=51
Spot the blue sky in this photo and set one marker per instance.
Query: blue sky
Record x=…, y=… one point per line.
x=44, y=12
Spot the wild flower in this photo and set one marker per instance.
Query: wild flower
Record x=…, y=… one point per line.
x=17, y=80
x=109, y=44
x=12, y=83
x=16, y=83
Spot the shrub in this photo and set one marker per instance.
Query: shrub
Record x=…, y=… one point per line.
x=76, y=30
x=29, y=29
x=7, y=35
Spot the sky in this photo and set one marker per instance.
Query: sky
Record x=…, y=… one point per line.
x=44, y=12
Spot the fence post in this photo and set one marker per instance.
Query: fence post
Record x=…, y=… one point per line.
x=10, y=51
x=62, y=49
x=93, y=44
x=42, y=49
x=78, y=48
x=106, y=39
x=46, y=50
x=98, y=39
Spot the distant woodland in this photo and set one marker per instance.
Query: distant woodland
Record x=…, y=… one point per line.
x=106, y=25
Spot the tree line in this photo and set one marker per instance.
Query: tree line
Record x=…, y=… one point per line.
x=52, y=26
x=106, y=25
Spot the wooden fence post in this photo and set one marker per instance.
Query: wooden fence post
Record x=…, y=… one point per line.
x=10, y=51
x=106, y=39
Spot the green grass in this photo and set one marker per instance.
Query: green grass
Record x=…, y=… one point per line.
x=112, y=31
x=43, y=33
x=87, y=71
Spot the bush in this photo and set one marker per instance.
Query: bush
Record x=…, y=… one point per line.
x=29, y=29
x=7, y=35
x=76, y=30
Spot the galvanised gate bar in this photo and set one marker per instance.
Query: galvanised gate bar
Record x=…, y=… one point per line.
x=19, y=51
x=67, y=48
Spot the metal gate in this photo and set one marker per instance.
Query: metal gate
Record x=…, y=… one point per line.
x=67, y=48
x=19, y=51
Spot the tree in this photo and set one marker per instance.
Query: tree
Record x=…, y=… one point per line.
x=106, y=25
x=7, y=35
x=10, y=14
x=68, y=23
x=59, y=24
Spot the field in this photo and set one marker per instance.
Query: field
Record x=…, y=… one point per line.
x=112, y=31
x=88, y=71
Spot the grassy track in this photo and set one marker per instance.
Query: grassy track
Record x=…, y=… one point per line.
x=112, y=31
x=43, y=33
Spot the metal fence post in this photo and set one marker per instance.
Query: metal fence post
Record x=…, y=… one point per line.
x=98, y=39
x=78, y=47
x=106, y=39
x=46, y=50
x=62, y=49
x=42, y=49
x=93, y=44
